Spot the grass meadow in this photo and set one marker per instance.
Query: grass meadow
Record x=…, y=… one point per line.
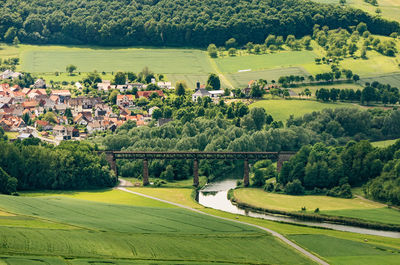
x=282, y=109
x=355, y=208
x=391, y=79
x=87, y=231
x=384, y=143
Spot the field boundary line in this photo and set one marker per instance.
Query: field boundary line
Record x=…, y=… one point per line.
x=223, y=78
x=274, y=233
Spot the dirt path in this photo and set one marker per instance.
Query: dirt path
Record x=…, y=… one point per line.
x=221, y=75
x=275, y=234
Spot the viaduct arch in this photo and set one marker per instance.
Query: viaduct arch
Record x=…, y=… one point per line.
x=112, y=156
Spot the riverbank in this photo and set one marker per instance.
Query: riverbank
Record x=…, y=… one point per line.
x=260, y=201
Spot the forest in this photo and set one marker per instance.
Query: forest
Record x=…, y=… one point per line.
x=33, y=165
x=173, y=22
x=333, y=170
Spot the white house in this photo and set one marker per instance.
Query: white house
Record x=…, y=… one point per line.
x=216, y=93
x=200, y=93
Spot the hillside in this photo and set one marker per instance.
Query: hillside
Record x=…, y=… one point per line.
x=172, y=23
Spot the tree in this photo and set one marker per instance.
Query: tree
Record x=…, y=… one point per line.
x=113, y=96
x=361, y=27
x=258, y=116
x=356, y=77
x=232, y=52
x=294, y=188
x=157, y=114
x=352, y=48
x=367, y=94
x=120, y=78
x=180, y=88
x=214, y=82
x=70, y=69
x=259, y=178
x=270, y=40
x=8, y=185
x=231, y=43
x=50, y=117
x=212, y=50
x=16, y=41
x=10, y=34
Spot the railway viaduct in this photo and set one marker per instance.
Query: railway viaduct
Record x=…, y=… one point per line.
x=112, y=156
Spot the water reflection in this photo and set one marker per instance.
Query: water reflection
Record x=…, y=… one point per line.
x=215, y=195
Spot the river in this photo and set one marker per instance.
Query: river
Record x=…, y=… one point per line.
x=214, y=195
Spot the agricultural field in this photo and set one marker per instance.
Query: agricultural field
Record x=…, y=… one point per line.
x=313, y=89
x=282, y=109
x=390, y=8
x=242, y=79
x=356, y=207
x=91, y=231
x=391, y=79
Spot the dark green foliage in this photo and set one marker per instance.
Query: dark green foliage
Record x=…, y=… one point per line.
x=294, y=188
x=343, y=191
x=213, y=82
x=175, y=23
x=259, y=178
x=8, y=185
x=71, y=165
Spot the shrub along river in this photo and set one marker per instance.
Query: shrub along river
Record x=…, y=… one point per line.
x=215, y=195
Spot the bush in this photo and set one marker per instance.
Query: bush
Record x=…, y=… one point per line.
x=343, y=191
x=294, y=188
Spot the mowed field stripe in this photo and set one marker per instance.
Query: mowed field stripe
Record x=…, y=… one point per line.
x=275, y=234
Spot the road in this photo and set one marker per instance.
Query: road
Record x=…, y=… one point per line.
x=36, y=134
x=124, y=183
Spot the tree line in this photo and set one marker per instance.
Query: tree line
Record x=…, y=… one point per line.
x=321, y=169
x=173, y=23
x=32, y=165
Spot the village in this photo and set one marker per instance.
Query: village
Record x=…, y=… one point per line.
x=54, y=115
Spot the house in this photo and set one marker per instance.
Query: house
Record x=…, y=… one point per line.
x=105, y=85
x=147, y=94
x=44, y=125
x=165, y=85
x=64, y=95
x=9, y=74
x=95, y=126
x=12, y=123
x=152, y=109
x=138, y=86
x=80, y=104
x=216, y=93
x=125, y=100
x=30, y=105
x=60, y=132
x=72, y=132
x=80, y=119
x=200, y=93
x=24, y=136
x=36, y=93
x=40, y=83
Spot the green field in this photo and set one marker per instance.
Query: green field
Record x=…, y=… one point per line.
x=39, y=59
x=342, y=251
x=384, y=143
x=391, y=79
x=101, y=231
x=242, y=79
x=313, y=89
x=265, y=61
x=390, y=8
x=355, y=208
x=282, y=109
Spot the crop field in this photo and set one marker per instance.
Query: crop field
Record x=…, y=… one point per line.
x=390, y=8
x=56, y=58
x=391, y=79
x=375, y=65
x=356, y=207
x=342, y=251
x=265, y=61
x=282, y=109
x=90, y=232
x=242, y=79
